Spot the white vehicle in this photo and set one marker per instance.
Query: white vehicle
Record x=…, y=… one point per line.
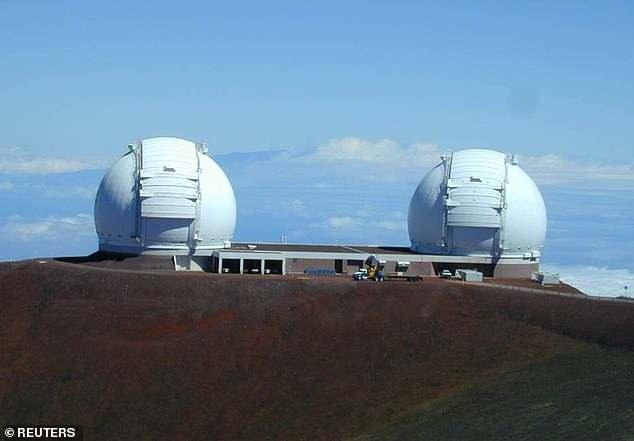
x=362, y=274
x=446, y=274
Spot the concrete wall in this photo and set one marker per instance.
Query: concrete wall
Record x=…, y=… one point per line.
x=296, y=265
x=192, y=263
x=486, y=269
x=350, y=267
x=201, y=263
x=517, y=271
x=420, y=268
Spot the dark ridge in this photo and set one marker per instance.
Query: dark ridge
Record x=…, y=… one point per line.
x=122, y=261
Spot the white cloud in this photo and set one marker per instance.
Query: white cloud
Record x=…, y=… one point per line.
x=385, y=151
x=396, y=225
x=297, y=207
x=353, y=148
x=595, y=281
x=6, y=186
x=342, y=222
x=52, y=227
x=23, y=161
x=367, y=224
x=387, y=161
x=4, y=151
x=61, y=192
x=44, y=165
x=337, y=223
x=555, y=169
x=50, y=191
x=545, y=169
x=385, y=158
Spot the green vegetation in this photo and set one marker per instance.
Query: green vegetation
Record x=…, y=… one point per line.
x=583, y=395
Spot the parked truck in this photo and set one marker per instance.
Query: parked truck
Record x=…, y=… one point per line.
x=373, y=270
x=399, y=275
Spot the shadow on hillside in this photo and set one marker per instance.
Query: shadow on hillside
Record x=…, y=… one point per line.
x=122, y=261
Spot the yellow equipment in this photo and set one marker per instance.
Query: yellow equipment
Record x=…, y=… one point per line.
x=372, y=267
x=371, y=271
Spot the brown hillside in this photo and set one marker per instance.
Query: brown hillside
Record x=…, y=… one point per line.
x=143, y=355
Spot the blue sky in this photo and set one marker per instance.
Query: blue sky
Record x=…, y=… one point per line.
x=551, y=82
x=527, y=77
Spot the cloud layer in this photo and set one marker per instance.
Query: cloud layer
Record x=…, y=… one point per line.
x=22, y=161
x=346, y=190
x=44, y=165
x=547, y=169
x=382, y=151
x=51, y=227
x=554, y=169
x=605, y=282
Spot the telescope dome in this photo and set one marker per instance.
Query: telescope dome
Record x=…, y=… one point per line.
x=165, y=195
x=477, y=203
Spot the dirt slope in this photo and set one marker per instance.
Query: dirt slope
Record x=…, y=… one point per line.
x=142, y=355
x=583, y=395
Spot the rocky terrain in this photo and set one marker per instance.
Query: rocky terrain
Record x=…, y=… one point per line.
x=149, y=355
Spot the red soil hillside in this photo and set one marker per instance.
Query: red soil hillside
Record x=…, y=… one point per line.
x=143, y=355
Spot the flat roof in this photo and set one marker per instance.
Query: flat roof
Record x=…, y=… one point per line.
x=311, y=248
x=316, y=251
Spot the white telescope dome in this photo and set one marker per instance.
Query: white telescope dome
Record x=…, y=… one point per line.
x=166, y=195
x=477, y=203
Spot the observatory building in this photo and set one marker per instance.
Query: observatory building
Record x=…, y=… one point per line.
x=165, y=196
x=476, y=210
